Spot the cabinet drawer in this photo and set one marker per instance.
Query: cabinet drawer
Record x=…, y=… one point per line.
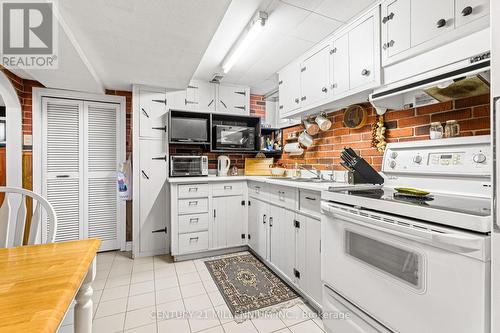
x=224, y=189
x=283, y=196
x=192, y=242
x=193, y=206
x=192, y=191
x=309, y=202
x=193, y=223
x=258, y=190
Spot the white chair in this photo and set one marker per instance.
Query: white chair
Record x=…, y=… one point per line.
x=18, y=220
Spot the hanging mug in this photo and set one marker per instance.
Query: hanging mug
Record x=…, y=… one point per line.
x=323, y=122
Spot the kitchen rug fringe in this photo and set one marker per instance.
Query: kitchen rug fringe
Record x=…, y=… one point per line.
x=269, y=311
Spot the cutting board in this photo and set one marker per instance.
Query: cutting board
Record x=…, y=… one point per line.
x=258, y=166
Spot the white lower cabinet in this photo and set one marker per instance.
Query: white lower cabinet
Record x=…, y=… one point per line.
x=257, y=227
x=282, y=240
x=228, y=228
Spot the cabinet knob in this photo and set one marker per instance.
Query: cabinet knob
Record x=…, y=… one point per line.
x=334, y=50
x=365, y=72
x=303, y=98
x=280, y=82
x=334, y=85
x=281, y=107
x=467, y=11
x=441, y=23
x=324, y=89
x=297, y=100
x=387, y=18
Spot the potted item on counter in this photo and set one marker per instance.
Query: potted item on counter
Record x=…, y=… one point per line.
x=277, y=170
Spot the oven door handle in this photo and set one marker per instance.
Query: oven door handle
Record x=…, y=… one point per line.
x=456, y=242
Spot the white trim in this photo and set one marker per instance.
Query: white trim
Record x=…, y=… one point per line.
x=38, y=93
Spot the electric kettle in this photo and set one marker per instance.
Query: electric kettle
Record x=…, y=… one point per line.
x=223, y=164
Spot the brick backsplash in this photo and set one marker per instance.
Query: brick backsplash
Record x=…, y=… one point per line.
x=473, y=115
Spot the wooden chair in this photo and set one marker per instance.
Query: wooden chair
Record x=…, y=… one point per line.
x=18, y=220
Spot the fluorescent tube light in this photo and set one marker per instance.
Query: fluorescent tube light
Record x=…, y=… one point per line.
x=253, y=30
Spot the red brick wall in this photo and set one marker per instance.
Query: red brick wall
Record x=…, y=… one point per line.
x=128, y=114
x=473, y=115
x=257, y=106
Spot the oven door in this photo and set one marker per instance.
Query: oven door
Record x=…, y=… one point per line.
x=409, y=280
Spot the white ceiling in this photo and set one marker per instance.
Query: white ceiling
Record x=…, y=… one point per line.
x=293, y=27
x=155, y=42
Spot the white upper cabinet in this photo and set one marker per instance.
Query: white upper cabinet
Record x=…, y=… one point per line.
x=362, y=53
x=289, y=89
x=314, y=77
x=206, y=96
x=153, y=110
x=469, y=10
x=340, y=65
x=233, y=99
x=176, y=99
x=396, y=31
x=430, y=18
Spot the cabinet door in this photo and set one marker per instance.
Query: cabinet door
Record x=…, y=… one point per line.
x=430, y=18
x=153, y=175
x=289, y=90
x=229, y=220
x=362, y=53
x=340, y=61
x=314, y=77
x=233, y=99
x=469, y=10
x=282, y=240
x=191, y=101
x=176, y=99
x=308, y=256
x=395, y=27
x=206, y=96
x=257, y=227
x=153, y=110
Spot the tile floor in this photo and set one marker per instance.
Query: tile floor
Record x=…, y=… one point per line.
x=153, y=294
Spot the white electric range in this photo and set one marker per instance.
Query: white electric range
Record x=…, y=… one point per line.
x=406, y=264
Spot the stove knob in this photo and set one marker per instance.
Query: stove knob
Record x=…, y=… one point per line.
x=417, y=159
x=394, y=154
x=479, y=158
x=392, y=164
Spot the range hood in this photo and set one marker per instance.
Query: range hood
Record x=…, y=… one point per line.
x=471, y=78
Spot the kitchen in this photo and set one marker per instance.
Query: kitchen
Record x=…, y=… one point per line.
x=282, y=166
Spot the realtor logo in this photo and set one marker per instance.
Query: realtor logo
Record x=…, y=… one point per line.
x=28, y=34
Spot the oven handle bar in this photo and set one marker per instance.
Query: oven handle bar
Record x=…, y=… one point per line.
x=457, y=242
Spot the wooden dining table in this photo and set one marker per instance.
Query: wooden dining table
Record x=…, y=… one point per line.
x=39, y=282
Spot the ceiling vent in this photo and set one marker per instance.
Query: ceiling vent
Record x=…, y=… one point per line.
x=217, y=78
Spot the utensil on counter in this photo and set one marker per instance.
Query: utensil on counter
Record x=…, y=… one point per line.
x=323, y=122
x=360, y=171
x=311, y=127
x=305, y=139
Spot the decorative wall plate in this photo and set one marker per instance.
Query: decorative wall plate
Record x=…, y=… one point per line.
x=355, y=116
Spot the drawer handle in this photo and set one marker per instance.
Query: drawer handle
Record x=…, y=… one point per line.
x=194, y=220
x=193, y=203
x=311, y=198
x=193, y=189
x=193, y=239
x=467, y=11
x=441, y=23
x=228, y=187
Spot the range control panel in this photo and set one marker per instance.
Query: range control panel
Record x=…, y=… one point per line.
x=455, y=156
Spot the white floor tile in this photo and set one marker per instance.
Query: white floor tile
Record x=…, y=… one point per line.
x=188, y=278
x=111, y=307
x=268, y=323
x=184, y=267
x=66, y=329
x=142, y=267
x=120, y=271
x=109, y=324
x=165, y=283
x=293, y=315
x=141, y=301
x=142, y=288
x=116, y=281
x=151, y=328
x=216, y=298
x=286, y=330
x=142, y=276
x=244, y=327
x=224, y=314
x=102, y=273
x=168, y=295
x=165, y=272
x=140, y=317
x=170, y=310
x=210, y=286
x=216, y=329
x=196, y=303
x=203, y=320
x=193, y=290
x=114, y=293
x=174, y=326
x=205, y=275
x=98, y=284
x=96, y=297
x=307, y=326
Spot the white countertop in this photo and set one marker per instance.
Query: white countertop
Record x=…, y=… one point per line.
x=263, y=179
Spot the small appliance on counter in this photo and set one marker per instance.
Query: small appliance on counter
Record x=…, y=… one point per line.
x=188, y=166
x=228, y=137
x=359, y=171
x=223, y=164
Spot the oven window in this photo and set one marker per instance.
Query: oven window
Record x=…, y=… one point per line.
x=400, y=263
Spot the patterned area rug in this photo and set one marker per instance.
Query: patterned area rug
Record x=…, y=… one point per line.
x=247, y=284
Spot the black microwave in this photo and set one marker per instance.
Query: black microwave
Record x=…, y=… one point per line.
x=234, y=137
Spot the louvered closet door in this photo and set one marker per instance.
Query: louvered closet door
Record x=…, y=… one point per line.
x=101, y=161
x=62, y=164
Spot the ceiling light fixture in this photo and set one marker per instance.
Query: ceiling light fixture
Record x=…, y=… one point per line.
x=246, y=38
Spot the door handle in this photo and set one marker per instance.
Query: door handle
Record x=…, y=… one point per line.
x=270, y=221
x=211, y=102
x=441, y=23
x=387, y=18
x=144, y=174
x=62, y=176
x=145, y=113
x=224, y=104
x=240, y=107
x=160, y=230
x=164, y=158
x=467, y=11
x=164, y=128
x=162, y=101
x=264, y=219
x=186, y=102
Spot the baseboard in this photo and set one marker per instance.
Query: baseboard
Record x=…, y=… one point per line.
x=128, y=246
x=210, y=253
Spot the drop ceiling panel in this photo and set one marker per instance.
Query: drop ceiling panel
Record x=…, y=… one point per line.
x=315, y=27
x=343, y=10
